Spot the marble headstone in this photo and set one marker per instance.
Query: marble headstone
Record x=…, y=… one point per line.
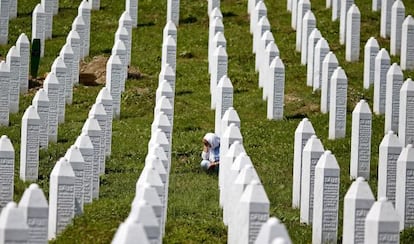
x=85, y=146
x=7, y=171
x=13, y=61
x=353, y=34
x=41, y=103
x=370, y=53
x=407, y=44
x=51, y=86
x=397, y=19
x=329, y=65
x=23, y=45
x=338, y=104
x=74, y=157
x=395, y=80
x=13, y=227
x=276, y=93
x=406, y=120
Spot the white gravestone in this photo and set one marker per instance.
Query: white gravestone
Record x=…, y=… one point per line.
x=130, y=232
x=376, y=5
x=289, y=5
x=150, y=176
x=85, y=146
x=215, y=26
x=67, y=55
x=262, y=26
x=336, y=10
x=303, y=7
x=79, y=26
x=212, y=4
x=302, y=133
x=51, y=86
x=271, y=230
x=168, y=74
x=170, y=30
x=357, y=203
x=159, y=152
x=38, y=27
x=314, y=37
x=74, y=157
x=164, y=89
x=389, y=151
x=61, y=72
x=271, y=52
x=382, y=224
x=7, y=171
x=218, y=40
x=4, y=93
x=312, y=151
x=229, y=117
x=252, y=212
x=165, y=106
x=370, y=53
x=13, y=9
x=404, y=187
x=84, y=11
x=142, y=213
x=55, y=7
x=73, y=39
x=230, y=135
x=169, y=52
x=308, y=25
x=159, y=137
x=48, y=7
x=406, y=120
x=385, y=26
x=329, y=65
x=395, y=79
x=95, y=4
x=258, y=12
x=61, y=197
x=345, y=6
x=4, y=21
x=104, y=97
x=321, y=50
x=407, y=44
x=41, y=103
x=294, y=14
x=36, y=213
x=123, y=35
x=132, y=7
x=126, y=22
x=23, y=45
x=98, y=111
x=224, y=95
x=353, y=34
x=29, y=147
x=92, y=129
x=275, y=101
x=113, y=83
x=266, y=38
x=326, y=200
x=162, y=122
x=13, y=227
x=219, y=69
x=361, y=141
x=119, y=50
x=173, y=11
x=337, y=104
x=397, y=19
x=13, y=61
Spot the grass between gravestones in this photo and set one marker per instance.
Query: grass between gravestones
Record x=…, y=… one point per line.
x=194, y=215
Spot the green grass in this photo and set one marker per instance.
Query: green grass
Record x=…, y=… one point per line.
x=194, y=215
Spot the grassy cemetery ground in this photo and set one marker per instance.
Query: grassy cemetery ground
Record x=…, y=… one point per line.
x=194, y=215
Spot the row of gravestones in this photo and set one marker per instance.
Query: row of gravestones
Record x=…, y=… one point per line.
x=74, y=179
x=147, y=218
x=242, y=196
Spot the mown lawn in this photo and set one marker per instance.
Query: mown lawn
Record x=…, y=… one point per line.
x=194, y=215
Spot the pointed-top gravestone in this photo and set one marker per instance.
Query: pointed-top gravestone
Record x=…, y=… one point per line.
x=74, y=157
x=149, y=176
x=405, y=122
x=61, y=71
x=61, y=197
x=212, y=4
x=7, y=172
x=294, y=14
x=382, y=64
x=4, y=18
x=302, y=133
x=270, y=53
x=314, y=37
x=357, y=203
x=312, y=151
x=104, y=97
x=385, y=26
x=48, y=7
x=164, y=89
x=407, y=44
x=389, y=151
x=29, y=145
x=130, y=232
x=397, y=19
x=321, y=50
x=84, y=11
x=23, y=45
x=36, y=212
x=13, y=60
x=13, y=227
x=404, y=186
x=370, y=53
x=73, y=39
x=216, y=13
x=353, y=34
x=173, y=11
x=230, y=116
x=126, y=22
x=361, y=141
x=271, y=230
x=51, y=86
x=85, y=146
x=215, y=26
x=168, y=74
x=4, y=93
x=336, y=10
x=162, y=122
x=119, y=49
x=98, y=111
x=376, y=5
x=392, y=98
x=67, y=55
x=230, y=135
x=337, y=104
x=131, y=6
x=218, y=70
x=266, y=38
x=165, y=106
x=262, y=26
x=218, y=40
x=258, y=12
x=329, y=65
x=303, y=7
x=276, y=93
x=159, y=137
x=345, y=6
x=143, y=214
x=113, y=83
x=382, y=223
x=55, y=7
x=159, y=152
x=308, y=25
x=169, y=52
x=326, y=200
x=224, y=96
x=38, y=26
x=95, y=4
x=13, y=9
x=170, y=30
x=79, y=26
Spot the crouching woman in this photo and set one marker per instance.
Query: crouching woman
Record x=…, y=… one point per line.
x=211, y=152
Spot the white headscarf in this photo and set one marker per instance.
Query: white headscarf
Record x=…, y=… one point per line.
x=212, y=139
